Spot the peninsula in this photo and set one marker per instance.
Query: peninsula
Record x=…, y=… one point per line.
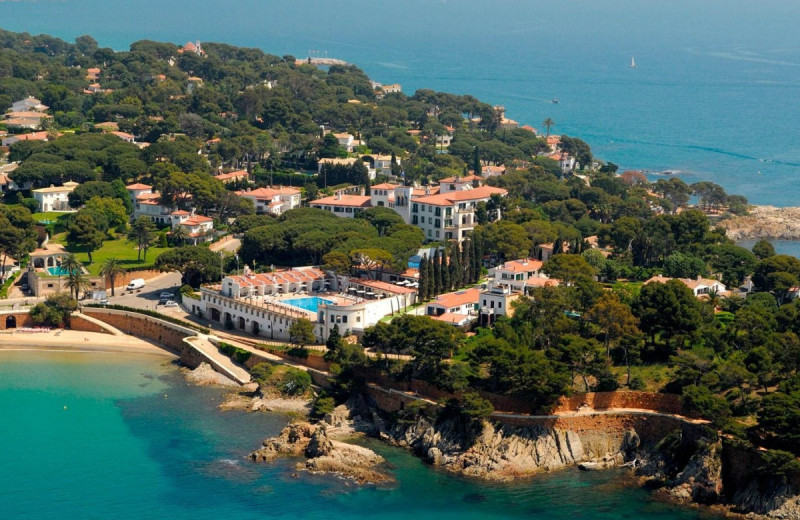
x=419, y=267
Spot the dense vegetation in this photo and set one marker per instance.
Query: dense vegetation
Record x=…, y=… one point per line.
x=598, y=330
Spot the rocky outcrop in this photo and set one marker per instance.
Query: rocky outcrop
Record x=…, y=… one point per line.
x=709, y=470
x=765, y=222
x=502, y=452
x=324, y=455
x=205, y=375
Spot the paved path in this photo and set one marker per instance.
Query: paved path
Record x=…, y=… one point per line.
x=218, y=360
x=231, y=245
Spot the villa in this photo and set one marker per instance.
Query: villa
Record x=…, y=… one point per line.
x=55, y=198
x=343, y=205
x=46, y=276
x=519, y=275
x=699, y=286
x=30, y=103
x=198, y=227
x=237, y=176
x=457, y=308
x=274, y=201
x=267, y=304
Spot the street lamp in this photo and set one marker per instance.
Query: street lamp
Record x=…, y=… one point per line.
x=237, y=265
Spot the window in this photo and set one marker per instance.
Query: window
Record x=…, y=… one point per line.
x=437, y=232
x=414, y=220
x=438, y=212
x=438, y=223
x=484, y=303
x=491, y=304
x=499, y=305
x=349, y=210
x=337, y=209
x=414, y=207
x=344, y=319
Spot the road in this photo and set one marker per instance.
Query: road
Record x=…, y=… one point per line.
x=147, y=297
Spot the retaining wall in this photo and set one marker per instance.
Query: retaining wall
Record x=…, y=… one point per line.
x=23, y=319
x=82, y=324
x=162, y=332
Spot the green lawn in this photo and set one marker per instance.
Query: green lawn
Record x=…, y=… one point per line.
x=51, y=216
x=120, y=248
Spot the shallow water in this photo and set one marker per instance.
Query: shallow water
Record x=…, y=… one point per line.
x=119, y=436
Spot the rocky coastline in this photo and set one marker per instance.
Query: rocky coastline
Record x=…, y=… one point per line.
x=768, y=222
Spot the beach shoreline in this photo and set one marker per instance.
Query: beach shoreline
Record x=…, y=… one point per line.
x=76, y=341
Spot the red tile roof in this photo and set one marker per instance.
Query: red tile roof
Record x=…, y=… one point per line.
x=458, y=298
x=448, y=199
x=138, y=186
x=355, y=201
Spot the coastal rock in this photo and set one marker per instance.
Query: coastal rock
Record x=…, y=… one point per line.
x=502, y=452
x=205, y=375
x=764, y=222
x=324, y=455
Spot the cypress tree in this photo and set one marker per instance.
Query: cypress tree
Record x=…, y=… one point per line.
x=455, y=267
x=445, y=274
x=423, y=279
x=466, y=262
x=477, y=261
x=476, y=161
x=429, y=280
x=437, y=273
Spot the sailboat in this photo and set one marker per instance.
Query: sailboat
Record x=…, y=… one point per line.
x=633, y=63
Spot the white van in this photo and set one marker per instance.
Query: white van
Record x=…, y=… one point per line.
x=136, y=283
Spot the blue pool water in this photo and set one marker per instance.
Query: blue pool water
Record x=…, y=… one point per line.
x=58, y=271
x=309, y=303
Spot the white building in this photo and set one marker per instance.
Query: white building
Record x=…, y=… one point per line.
x=198, y=227
x=699, y=286
x=343, y=205
x=456, y=308
x=54, y=198
x=28, y=104
x=496, y=301
x=273, y=200
x=519, y=275
x=451, y=215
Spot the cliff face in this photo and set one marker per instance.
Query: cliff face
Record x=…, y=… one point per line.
x=765, y=222
x=505, y=452
x=707, y=470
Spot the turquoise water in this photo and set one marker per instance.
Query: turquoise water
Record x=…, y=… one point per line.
x=309, y=303
x=713, y=95
x=90, y=436
x=58, y=271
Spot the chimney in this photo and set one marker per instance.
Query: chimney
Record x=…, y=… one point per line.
x=362, y=191
x=338, y=195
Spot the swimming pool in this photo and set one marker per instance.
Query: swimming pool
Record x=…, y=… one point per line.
x=58, y=271
x=309, y=303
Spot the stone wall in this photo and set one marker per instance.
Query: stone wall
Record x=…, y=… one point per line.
x=123, y=280
x=22, y=318
x=664, y=403
x=82, y=324
x=164, y=333
x=315, y=362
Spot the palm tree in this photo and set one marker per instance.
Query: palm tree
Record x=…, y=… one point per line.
x=179, y=236
x=111, y=269
x=547, y=123
x=71, y=263
x=77, y=281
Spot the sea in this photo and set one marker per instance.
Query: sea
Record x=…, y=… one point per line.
x=96, y=436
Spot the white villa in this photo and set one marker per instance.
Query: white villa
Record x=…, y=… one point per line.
x=273, y=200
x=699, y=286
x=198, y=227
x=443, y=213
x=266, y=304
x=55, y=198
x=457, y=308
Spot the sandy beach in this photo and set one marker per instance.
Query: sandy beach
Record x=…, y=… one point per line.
x=77, y=341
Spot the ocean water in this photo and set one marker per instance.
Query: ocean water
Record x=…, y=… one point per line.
x=90, y=436
x=713, y=95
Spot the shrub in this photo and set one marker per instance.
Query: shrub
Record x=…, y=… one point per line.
x=476, y=407
x=298, y=352
x=262, y=372
x=637, y=383
x=295, y=381
x=322, y=406
x=236, y=354
x=699, y=401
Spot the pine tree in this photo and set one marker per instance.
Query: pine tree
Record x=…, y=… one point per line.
x=437, y=273
x=455, y=267
x=423, y=279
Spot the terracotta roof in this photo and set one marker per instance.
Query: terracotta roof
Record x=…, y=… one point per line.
x=35, y=136
x=539, y=282
x=356, y=201
x=138, y=186
x=268, y=193
x=180, y=212
x=26, y=114
x=196, y=220
x=231, y=175
x=526, y=265
x=337, y=160
x=383, y=286
x=278, y=277
x=452, y=318
x=461, y=180
x=688, y=282
x=385, y=186
x=450, y=198
x=123, y=135
x=458, y=298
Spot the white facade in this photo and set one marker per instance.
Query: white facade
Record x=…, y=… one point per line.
x=54, y=198
x=343, y=205
x=273, y=200
x=447, y=216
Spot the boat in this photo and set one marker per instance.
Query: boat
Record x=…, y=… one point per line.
x=633, y=63
x=554, y=101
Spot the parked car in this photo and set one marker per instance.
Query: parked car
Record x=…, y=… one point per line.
x=170, y=303
x=167, y=295
x=137, y=283
x=103, y=301
x=163, y=301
